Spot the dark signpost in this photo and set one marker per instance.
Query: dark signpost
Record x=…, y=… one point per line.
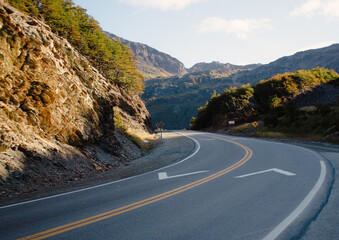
x=160, y=125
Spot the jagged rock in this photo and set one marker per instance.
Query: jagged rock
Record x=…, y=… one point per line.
x=53, y=104
x=151, y=62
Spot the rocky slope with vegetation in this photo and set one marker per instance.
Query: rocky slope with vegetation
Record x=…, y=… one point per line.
x=61, y=119
x=151, y=62
x=181, y=96
x=302, y=104
x=175, y=100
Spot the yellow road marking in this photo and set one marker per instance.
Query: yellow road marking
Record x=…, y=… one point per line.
x=127, y=208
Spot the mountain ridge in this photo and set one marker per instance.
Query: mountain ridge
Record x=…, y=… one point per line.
x=170, y=92
x=216, y=65
x=151, y=62
x=326, y=57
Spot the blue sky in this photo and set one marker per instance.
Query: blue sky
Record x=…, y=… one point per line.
x=237, y=32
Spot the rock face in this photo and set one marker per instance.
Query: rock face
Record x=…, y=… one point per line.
x=151, y=62
x=56, y=110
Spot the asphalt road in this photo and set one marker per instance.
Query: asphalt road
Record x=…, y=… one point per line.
x=228, y=188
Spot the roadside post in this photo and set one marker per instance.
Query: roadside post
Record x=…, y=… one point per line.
x=160, y=126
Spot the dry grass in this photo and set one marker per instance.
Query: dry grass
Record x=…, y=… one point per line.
x=241, y=128
x=309, y=109
x=269, y=134
x=303, y=137
x=144, y=140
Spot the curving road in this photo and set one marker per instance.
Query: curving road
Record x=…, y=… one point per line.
x=228, y=188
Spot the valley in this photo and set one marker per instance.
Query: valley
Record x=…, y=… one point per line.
x=80, y=155
x=175, y=100
x=66, y=100
x=174, y=93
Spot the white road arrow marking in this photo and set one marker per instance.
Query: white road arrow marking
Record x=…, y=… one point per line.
x=163, y=175
x=268, y=170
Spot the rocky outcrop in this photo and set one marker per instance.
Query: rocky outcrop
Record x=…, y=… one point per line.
x=56, y=110
x=151, y=62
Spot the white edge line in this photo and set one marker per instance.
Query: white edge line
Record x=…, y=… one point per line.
x=301, y=207
x=195, y=152
x=109, y=183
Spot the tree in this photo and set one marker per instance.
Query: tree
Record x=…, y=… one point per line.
x=114, y=60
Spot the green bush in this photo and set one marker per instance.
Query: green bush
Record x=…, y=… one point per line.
x=274, y=98
x=282, y=88
x=232, y=100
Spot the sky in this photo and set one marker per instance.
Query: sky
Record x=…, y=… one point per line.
x=229, y=31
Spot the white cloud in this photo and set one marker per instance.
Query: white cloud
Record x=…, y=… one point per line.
x=308, y=8
x=329, y=9
x=162, y=4
x=240, y=27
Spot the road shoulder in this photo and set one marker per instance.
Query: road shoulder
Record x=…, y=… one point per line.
x=172, y=148
x=326, y=223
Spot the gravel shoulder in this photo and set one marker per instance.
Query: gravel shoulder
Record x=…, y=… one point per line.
x=172, y=148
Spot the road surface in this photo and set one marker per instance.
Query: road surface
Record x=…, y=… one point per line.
x=228, y=188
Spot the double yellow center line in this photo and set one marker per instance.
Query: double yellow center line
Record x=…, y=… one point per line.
x=127, y=208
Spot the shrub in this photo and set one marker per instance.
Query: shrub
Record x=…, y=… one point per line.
x=273, y=97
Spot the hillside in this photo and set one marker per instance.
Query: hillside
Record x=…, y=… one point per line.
x=61, y=120
x=327, y=57
x=175, y=100
x=305, y=102
x=171, y=93
x=151, y=62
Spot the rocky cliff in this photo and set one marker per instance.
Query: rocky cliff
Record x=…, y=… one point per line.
x=58, y=114
x=151, y=62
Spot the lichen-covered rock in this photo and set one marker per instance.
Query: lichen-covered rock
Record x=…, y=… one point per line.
x=53, y=105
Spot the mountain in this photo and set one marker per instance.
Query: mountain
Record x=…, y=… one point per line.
x=175, y=100
x=61, y=120
x=221, y=67
x=327, y=57
x=172, y=100
x=151, y=62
